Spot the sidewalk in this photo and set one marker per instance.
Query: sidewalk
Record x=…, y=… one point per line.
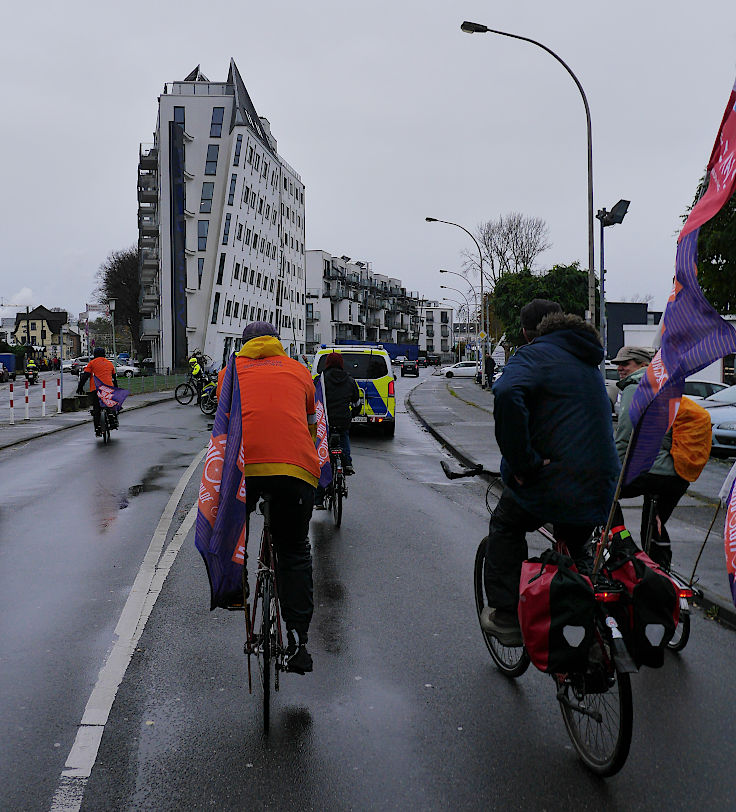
x=459, y=414
x=24, y=430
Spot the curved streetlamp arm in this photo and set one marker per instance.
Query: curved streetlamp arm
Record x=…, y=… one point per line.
x=478, y=28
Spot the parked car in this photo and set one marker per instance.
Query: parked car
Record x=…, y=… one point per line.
x=78, y=364
x=422, y=361
x=128, y=370
x=410, y=368
x=611, y=380
x=463, y=369
x=697, y=390
x=66, y=366
x=5, y=375
x=399, y=360
x=433, y=360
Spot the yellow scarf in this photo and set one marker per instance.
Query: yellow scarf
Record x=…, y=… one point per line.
x=261, y=347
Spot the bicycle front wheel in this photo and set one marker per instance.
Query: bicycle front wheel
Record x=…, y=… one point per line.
x=599, y=723
x=512, y=661
x=208, y=405
x=337, y=487
x=184, y=393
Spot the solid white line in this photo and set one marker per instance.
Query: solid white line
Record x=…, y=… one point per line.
x=146, y=589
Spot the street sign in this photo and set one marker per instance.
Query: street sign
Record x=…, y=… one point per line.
x=482, y=335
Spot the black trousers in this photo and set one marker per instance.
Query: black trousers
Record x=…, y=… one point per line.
x=506, y=548
x=668, y=490
x=292, y=501
x=94, y=403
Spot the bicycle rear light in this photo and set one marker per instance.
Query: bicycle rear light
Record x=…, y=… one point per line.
x=686, y=592
x=607, y=597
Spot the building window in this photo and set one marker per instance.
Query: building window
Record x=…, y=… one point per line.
x=250, y=155
x=238, y=146
x=255, y=240
x=200, y=271
x=430, y=346
x=228, y=307
x=205, y=204
x=445, y=346
x=260, y=205
x=252, y=312
x=430, y=316
x=236, y=309
x=231, y=193
x=203, y=226
x=215, y=308
x=445, y=331
x=237, y=270
x=216, y=125
x=271, y=287
x=252, y=274
x=430, y=332
x=226, y=231
x=220, y=270
x=258, y=281
x=257, y=163
x=179, y=113
x=444, y=317
x=210, y=167
x=240, y=231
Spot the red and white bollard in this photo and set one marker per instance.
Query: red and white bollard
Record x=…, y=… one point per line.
x=43, y=398
x=26, y=383
x=12, y=415
x=58, y=395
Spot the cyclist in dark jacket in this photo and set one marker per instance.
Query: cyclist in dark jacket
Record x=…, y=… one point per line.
x=553, y=425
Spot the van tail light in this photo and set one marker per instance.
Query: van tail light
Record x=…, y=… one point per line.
x=391, y=389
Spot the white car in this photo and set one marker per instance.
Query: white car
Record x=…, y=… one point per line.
x=128, y=370
x=463, y=369
x=698, y=390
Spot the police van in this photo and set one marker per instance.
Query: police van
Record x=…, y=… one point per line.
x=371, y=368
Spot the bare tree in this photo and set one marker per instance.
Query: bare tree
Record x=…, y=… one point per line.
x=117, y=277
x=509, y=245
x=646, y=298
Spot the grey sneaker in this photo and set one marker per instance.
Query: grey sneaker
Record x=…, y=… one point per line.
x=502, y=625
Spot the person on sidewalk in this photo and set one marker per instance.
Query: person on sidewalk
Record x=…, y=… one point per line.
x=341, y=394
x=661, y=480
x=490, y=366
x=553, y=425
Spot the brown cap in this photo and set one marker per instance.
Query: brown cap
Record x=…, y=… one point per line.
x=642, y=355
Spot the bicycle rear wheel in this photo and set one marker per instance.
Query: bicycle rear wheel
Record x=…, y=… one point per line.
x=184, y=393
x=599, y=723
x=512, y=661
x=208, y=404
x=266, y=643
x=104, y=426
x=337, y=487
x=682, y=633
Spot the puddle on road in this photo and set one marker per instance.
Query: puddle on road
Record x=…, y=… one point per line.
x=149, y=482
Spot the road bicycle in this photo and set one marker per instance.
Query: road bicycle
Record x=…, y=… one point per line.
x=686, y=591
x=337, y=490
x=194, y=387
x=108, y=421
x=596, y=704
x=263, y=629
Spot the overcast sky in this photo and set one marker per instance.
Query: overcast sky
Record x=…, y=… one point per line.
x=389, y=113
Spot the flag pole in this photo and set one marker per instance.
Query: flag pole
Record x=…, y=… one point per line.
x=697, y=560
x=603, y=541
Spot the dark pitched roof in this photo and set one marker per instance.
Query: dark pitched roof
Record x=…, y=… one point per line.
x=55, y=318
x=244, y=112
x=196, y=76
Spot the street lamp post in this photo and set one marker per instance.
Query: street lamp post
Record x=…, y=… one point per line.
x=478, y=28
x=459, y=307
x=111, y=304
x=480, y=260
x=467, y=301
x=608, y=218
x=475, y=300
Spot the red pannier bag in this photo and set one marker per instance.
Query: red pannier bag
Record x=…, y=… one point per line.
x=556, y=613
x=652, y=610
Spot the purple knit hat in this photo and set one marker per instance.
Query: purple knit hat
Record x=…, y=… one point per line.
x=256, y=329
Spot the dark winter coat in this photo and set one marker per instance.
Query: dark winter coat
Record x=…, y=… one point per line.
x=551, y=403
x=340, y=391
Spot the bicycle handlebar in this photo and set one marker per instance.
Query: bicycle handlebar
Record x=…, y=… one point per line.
x=468, y=472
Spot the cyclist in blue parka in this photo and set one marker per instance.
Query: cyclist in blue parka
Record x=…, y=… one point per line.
x=553, y=425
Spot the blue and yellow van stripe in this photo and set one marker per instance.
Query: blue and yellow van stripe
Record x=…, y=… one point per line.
x=375, y=403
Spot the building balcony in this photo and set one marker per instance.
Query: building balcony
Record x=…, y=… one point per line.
x=147, y=188
x=148, y=224
x=313, y=318
x=150, y=329
x=149, y=298
x=148, y=156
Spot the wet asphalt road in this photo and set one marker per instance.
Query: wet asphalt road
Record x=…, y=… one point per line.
x=404, y=707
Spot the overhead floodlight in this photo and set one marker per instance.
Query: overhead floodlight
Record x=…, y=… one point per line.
x=474, y=28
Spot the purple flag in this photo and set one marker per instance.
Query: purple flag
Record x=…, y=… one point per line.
x=110, y=396
x=220, y=531
x=693, y=334
x=321, y=443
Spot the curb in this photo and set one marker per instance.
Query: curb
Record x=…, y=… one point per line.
x=81, y=422
x=713, y=605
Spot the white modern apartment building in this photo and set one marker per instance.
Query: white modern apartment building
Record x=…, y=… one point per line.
x=346, y=301
x=436, y=333
x=221, y=225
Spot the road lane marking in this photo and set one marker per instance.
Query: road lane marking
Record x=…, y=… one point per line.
x=138, y=607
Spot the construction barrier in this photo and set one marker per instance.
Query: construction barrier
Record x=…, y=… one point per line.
x=58, y=395
x=27, y=415
x=43, y=398
x=12, y=416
